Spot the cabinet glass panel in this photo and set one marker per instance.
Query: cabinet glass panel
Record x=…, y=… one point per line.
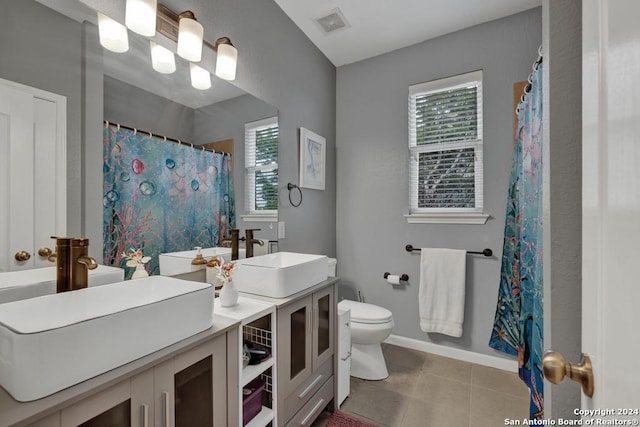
x=118, y=416
x=194, y=395
x=324, y=336
x=298, y=338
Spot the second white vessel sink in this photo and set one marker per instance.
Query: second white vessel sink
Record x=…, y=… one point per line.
x=280, y=274
x=52, y=342
x=18, y=285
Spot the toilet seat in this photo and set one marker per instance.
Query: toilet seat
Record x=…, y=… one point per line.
x=366, y=313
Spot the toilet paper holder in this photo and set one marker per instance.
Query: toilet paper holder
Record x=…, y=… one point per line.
x=403, y=277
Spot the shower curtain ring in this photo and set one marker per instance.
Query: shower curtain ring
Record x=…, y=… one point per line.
x=118, y=127
x=150, y=135
x=135, y=131
x=179, y=142
x=165, y=139
x=106, y=124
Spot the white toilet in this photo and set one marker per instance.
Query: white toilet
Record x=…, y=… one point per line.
x=370, y=325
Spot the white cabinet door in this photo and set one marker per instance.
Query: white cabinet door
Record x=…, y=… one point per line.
x=32, y=173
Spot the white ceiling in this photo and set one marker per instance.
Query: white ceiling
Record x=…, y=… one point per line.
x=379, y=26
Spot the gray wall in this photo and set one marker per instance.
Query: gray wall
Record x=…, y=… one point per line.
x=279, y=65
x=562, y=173
x=42, y=49
x=372, y=170
x=132, y=106
x=226, y=120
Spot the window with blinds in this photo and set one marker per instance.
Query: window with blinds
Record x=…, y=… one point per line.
x=261, y=166
x=445, y=145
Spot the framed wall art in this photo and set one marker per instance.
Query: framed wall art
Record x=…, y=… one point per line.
x=313, y=149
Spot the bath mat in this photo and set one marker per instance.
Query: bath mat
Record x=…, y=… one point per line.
x=342, y=419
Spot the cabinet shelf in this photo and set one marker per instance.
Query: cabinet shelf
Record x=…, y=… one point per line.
x=257, y=320
x=262, y=419
x=251, y=372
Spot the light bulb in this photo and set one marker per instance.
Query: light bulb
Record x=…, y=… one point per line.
x=162, y=59
x=113, y=35
x=140, y=16
x=200, y=78
x=190, y=35
x=226, y=61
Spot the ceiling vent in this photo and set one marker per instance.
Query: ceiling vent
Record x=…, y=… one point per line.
x=334, y=21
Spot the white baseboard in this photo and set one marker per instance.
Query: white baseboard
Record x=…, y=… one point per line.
x=454, y=353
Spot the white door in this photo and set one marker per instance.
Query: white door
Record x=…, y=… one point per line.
x=611, y=203
x=32, y=174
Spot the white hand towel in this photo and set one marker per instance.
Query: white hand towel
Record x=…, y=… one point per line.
x=442, y=289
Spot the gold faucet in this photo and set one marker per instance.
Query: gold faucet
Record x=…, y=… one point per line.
x=249, y=241
x=234, y=243
x=72, y=263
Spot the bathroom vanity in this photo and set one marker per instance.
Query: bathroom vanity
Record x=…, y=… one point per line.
x=156, y=389
x=148, y=391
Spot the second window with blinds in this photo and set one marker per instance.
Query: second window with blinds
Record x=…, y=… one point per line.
x=445, y=151
x=261, y=170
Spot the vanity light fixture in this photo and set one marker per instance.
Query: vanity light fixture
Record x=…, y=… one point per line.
x=227, y=59
x=190, y=35
x=200, y=78
x=162, y=59
x=140, y=16
x=113, y=35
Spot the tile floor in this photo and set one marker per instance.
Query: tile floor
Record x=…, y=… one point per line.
x=427, y=390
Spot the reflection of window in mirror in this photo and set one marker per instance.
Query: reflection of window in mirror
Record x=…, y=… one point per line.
x=261, y=167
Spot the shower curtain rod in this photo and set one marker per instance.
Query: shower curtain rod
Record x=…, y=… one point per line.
x=107, y=123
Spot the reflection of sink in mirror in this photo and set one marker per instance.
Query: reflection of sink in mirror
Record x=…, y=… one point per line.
x=180, y=262
x=280, y=274
x=87, y=332
x=18, y=285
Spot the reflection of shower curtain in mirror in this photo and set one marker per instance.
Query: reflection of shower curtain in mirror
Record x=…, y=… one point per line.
x=162, y=197
x=518, y=328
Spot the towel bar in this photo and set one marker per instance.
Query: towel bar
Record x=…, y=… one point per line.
x=485, y=252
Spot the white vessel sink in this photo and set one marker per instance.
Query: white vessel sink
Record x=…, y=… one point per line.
x=18, y=285
x=173, y=263
x=51, y=342
x=280, y=274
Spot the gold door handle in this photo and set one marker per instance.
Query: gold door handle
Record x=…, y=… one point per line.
x=44, y=252
x=22, y=256
x=556, y=368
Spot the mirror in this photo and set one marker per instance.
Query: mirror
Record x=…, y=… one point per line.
x=133, y=95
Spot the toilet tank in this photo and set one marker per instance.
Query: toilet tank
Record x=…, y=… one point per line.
x=332, y=267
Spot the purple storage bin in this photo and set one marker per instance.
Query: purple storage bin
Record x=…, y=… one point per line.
x=251, y=400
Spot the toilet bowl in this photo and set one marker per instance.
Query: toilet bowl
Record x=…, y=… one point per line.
x=370, y=325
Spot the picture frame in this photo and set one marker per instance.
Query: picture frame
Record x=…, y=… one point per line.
x=312, y=149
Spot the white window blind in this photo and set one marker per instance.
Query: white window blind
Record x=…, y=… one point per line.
x=445, y=145
x=261, y=167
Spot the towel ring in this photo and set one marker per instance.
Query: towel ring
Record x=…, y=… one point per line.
x=290, y=187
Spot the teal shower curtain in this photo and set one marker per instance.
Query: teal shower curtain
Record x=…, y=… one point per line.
x=162, y=197
x=518, y=327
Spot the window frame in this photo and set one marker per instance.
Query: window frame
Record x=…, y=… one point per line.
x=473, y=215
x=251, y=213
